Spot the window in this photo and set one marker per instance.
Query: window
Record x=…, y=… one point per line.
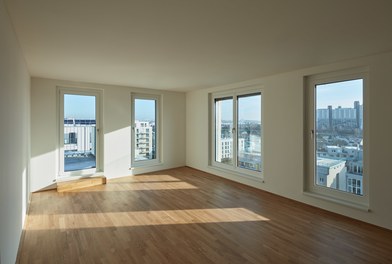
x=79, y=139
x=335, y=113
x=70, y=138
x=145, y=130
x=236, y=141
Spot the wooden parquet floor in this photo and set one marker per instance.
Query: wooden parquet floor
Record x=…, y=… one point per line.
x=187, y=216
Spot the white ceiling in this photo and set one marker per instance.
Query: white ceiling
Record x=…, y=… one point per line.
x=192, y=44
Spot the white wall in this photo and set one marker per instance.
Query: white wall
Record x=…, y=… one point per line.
x=283, y=126
x=116, y=129
x=14, y=139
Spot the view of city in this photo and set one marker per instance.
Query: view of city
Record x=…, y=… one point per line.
x=145, y=143
x=145, y=129
x=248, y=145
x=79, y=144
x=339, y=136
x=79, y=132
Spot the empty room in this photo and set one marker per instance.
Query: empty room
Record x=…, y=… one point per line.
x=195, y=131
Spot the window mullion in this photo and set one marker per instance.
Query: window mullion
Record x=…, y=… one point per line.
x=235, y=137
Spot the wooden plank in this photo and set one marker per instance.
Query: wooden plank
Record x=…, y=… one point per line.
x=66, y=186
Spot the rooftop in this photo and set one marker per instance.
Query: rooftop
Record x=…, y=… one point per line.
x=328, y=162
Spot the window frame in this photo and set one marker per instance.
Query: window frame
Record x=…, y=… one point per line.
x=61, y=91
x=158, y=111
x=310, y=186
x=234, y=168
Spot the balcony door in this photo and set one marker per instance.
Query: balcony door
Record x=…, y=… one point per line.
x=79, y=132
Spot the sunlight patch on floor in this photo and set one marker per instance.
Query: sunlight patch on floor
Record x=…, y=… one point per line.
x=142, y=218
x=146, y=178
x=141, y=186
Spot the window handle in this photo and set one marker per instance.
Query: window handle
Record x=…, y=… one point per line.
x=233, y=130
x=312, y=133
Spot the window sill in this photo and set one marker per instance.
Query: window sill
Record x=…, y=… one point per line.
x=359, y=206
x=146, y=165
x=259, y=179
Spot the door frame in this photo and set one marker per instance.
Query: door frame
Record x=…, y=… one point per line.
x=61, y=91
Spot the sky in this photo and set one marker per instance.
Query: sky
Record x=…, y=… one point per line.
x=83, y=107
x=339, y=94
x=336, y=94
x=79, y=106
x=248, y=108
x=145, y=109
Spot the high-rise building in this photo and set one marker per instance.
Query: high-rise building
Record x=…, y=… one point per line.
x=340, y=117
x=144, y=148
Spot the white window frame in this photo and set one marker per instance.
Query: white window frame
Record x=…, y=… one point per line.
x=61, y=91
x=310, y=187
x=234, y=94
x=158, y=130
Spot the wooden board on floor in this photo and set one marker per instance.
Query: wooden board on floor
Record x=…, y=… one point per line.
x=66, y=186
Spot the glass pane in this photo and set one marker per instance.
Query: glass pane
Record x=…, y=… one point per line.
x=339, y=135
x=79, y=132
x=145, y=129
x=249, y=132
x=223, y=130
